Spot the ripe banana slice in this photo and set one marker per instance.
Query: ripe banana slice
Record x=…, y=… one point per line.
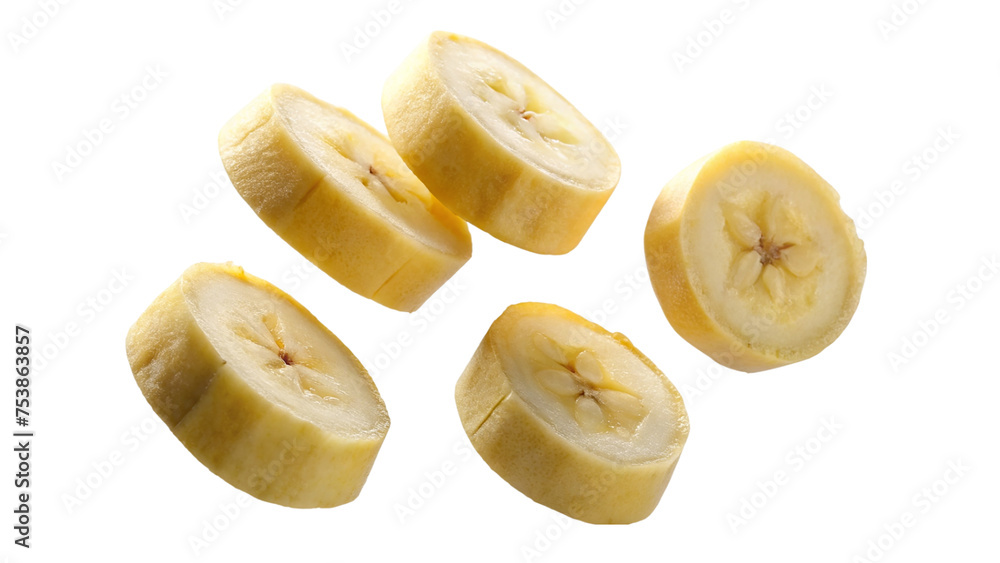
x=335, y=189
x=752, y=258
x=257, y=389
x=497, y=145
x=571, y=415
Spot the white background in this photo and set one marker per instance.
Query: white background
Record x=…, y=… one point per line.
x=888, y=95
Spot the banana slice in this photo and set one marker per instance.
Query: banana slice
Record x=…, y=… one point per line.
x=752, y=258
x=335, y=189
x=257, y=389
x=571, y=415
x=497, y=145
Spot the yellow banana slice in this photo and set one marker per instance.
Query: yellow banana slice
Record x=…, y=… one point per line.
x=257, y=389
x=335, y=189
x=497, y=145
x=752, y=258
x=571, y=415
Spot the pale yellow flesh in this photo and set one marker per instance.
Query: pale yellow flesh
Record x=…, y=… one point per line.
x=336, y=190
x=571, y=415
x=752, y=258
x=497, y=145
x=257, y=389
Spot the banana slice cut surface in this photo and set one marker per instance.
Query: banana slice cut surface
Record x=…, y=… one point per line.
x=590, y=387
x=752, y=258
x=498, y=145
x=335, y=189
x=571, y=415
x=286, y=355
x=522, y=112
x=257, y=389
